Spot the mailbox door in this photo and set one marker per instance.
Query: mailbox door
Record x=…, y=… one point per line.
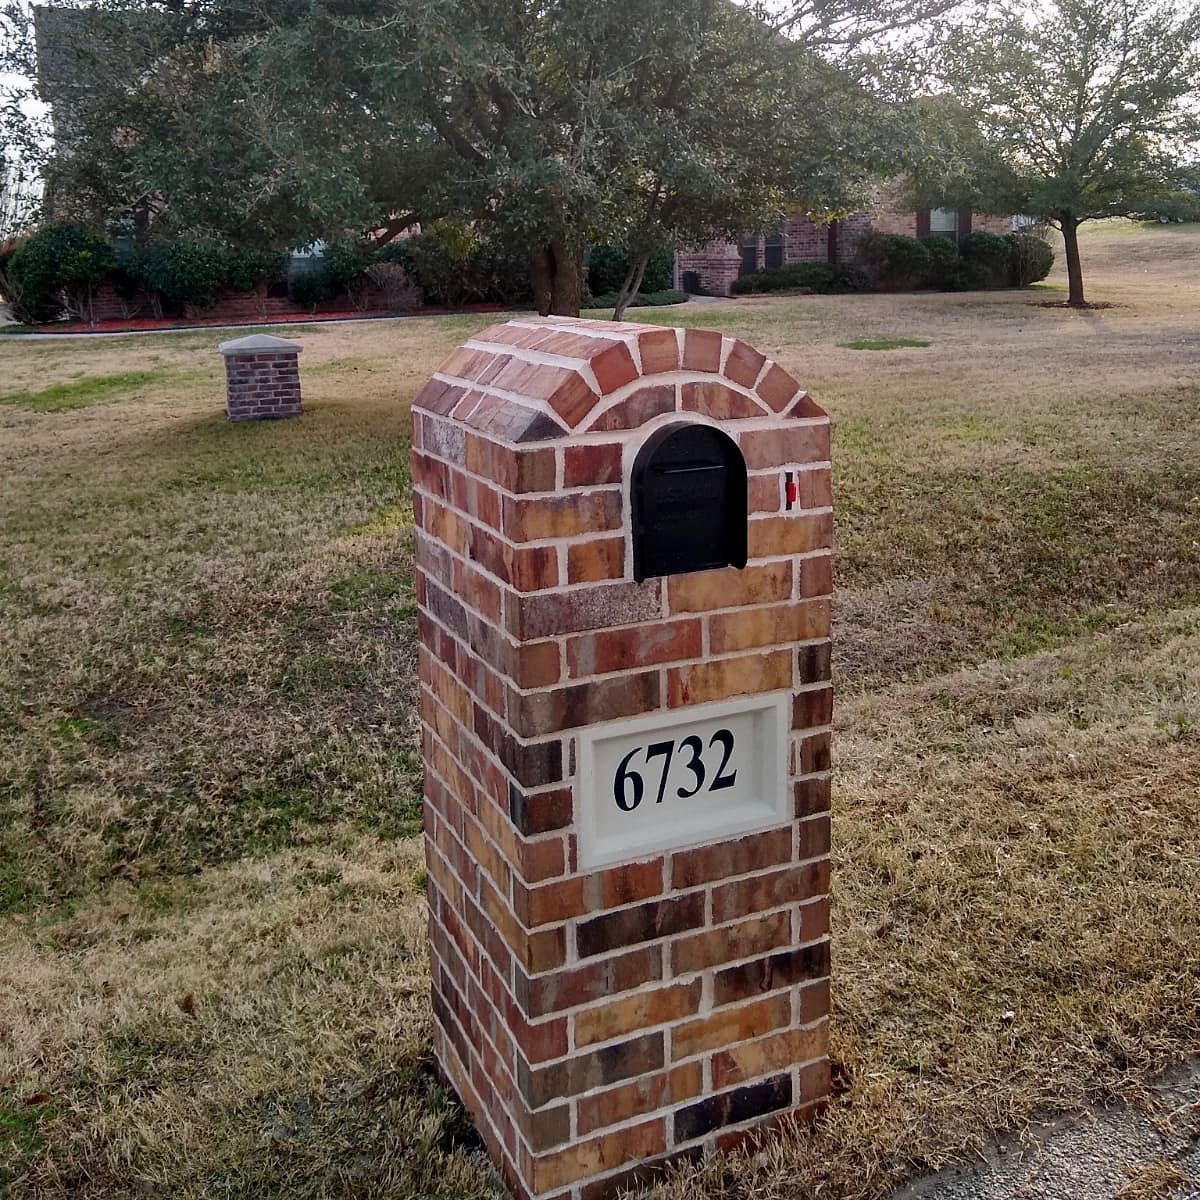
x=688, y=502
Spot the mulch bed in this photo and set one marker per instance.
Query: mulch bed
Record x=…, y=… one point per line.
x=159, y=324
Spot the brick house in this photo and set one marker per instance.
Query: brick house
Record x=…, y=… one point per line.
x=713, y=268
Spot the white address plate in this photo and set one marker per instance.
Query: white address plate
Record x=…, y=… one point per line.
x=682, y=778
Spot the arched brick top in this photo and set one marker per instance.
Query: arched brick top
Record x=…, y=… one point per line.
x=539, y=379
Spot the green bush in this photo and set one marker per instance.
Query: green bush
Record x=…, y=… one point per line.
x=963, y=275
x=641, y=300
x=994, y=253
x=312, y=287
x=186, y=270
x=945, y=266
x=57, y=260
x=608, y=265
x=246, y=269
x=894, y=261
x=816, y=276
x=1030, y=258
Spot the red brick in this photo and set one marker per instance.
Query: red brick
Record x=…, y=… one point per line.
x=812, y=797
x=618, y=649
x=596, y=559
x=730, y=942
x=719, y=401
x=717, y=680
x=659, y=350
x=743, y=364
x=702, y=350
x=535, y=664
x=778, y=388
x=765, y=493
x=814, y=488
x=771, y=973
x=812, y=754
x=560, y=990
x=816, y=576
x=797, y=444
x=592, y=465
x=644, y=404
x=689, y=868
x=614, y=368
x=812, y=708
x=779, y=1051
x=645, y=1095
x=741, y=897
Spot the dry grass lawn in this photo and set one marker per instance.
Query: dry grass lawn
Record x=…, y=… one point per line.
x=212, y=972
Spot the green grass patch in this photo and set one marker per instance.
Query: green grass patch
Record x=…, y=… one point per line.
x=82, y=393
x=19, y=1137
x=897, y=343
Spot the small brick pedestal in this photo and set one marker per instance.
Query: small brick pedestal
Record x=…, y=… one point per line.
x=262, y=375
x=603, y=1002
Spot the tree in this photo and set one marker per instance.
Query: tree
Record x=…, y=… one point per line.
x=1082, y=108
x=624, y=122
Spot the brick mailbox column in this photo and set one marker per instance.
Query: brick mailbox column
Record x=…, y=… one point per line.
x=623, y=541
x=262, y=375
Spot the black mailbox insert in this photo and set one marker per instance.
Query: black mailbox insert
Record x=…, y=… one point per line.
x=688, y=494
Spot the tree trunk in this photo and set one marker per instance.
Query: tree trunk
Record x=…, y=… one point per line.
x=1070, y=232
x=556, y=271
x=630, y=285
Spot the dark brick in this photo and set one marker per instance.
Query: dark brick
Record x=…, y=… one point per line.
x=540, y=813
x=770, y=973
x=546, y=994
x=610, y=1064
x=731, y=1108
x=659, y=918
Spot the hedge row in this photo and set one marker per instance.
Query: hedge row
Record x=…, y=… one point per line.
x=893, y=262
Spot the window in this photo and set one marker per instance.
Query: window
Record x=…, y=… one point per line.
x=749, y=249
x=774, y=249
x=943, y=222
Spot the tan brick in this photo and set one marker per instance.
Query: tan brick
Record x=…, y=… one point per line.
x=765, y=1055
x=560, y=901
x=795, y=445
x=702, y=350
x=730, y=1025
x=773, y=536
x=618, y=649
x=596, y=559
x=773, y=626
x=747, y=675
x=528, y=520
x=630, y=1014
x=593, y=1157
x=646, y=1095
x=729, y=943
x=729, y=588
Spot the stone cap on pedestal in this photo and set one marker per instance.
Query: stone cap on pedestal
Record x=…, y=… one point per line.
x=259, y=343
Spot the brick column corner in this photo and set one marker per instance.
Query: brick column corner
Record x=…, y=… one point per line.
x=262, y=377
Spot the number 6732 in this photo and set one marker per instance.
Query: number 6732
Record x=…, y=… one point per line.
x=629, y=786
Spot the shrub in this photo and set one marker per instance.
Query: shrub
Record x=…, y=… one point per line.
x=608, y=265
x=246, y=270
x=963, y=275
x=398, y=290
x=186, y=270
x=894, y=261
x=438, y=270
x=1030, y=258
x=945, y=266
x=994, y=253
x=816, y=276
x=312, y=287
x=641, y=300
x=58, y=260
